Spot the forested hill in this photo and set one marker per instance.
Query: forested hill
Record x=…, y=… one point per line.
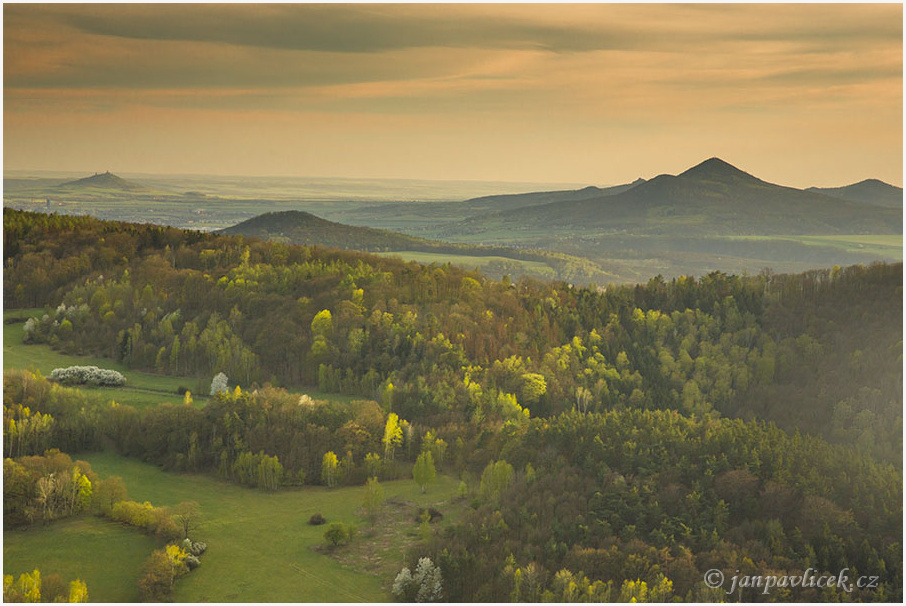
x=817, y=351
x=869, y=191
x=595, y=431
x=298, y=227
x=710, y=199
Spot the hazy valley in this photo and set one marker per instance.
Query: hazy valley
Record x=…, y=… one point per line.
x=711, y=217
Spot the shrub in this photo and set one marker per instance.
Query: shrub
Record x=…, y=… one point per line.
x=195, y=548
x=164, y=526
x=336, y=533
x=433, y=515
x=192, y=562
x=317, y=520
x=182, y=390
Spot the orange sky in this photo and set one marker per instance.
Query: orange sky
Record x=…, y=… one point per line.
x=600, y=94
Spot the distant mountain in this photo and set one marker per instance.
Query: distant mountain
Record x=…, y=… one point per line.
x=711, y=198
x=870, y=191
x=107, y=181
x=514, y=201
x=298, y=227
x=416, y=214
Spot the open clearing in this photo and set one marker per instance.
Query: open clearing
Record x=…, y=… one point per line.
x=469, y=262
x=260, y=545
x=142, y=389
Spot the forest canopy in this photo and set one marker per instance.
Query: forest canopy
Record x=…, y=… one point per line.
x=610, y=436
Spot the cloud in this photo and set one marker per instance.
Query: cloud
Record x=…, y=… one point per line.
x=332, y=28
x=493, y=72
x=351, y=28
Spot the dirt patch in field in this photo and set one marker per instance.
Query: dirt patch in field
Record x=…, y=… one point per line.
x=381, y=549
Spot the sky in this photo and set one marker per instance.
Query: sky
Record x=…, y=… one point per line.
x=597, y=94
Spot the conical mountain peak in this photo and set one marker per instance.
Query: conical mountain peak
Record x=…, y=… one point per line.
x=715, y=169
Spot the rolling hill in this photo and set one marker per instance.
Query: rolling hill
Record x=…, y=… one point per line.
x=869, y=191
x=298, y=227
x=710, y=199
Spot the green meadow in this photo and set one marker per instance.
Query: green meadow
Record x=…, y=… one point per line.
x=142, y=389
x=105, y=555
x=471, y=262
x=260, y=545
x=887, y=246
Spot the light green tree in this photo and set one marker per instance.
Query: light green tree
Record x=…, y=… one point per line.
x=78, y=592
x=374, y=497
x=329, y=465
x=393, y=435
x=423, y=471
x=494, y=479
x=322, y=323
x=373, y=464
x=533, y=387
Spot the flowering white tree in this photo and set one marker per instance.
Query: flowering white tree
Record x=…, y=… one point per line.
x=425, y=585
x=220, y=383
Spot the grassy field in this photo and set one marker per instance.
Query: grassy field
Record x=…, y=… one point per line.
x=260, y=546
x=888, y=246
x=105, y=555
x=470, y=262
x=142, y=389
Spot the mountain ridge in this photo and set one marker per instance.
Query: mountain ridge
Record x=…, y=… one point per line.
x=710, y=198
x=867, y=191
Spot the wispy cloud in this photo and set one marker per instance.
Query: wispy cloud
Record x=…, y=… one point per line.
x=569, y=72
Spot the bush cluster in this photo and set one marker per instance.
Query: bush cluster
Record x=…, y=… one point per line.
x=153, y=520
x=316, y=520
x=87, y=375
x=195, y=548
x=433, y=515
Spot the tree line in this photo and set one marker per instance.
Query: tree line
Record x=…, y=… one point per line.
x=438, y=345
